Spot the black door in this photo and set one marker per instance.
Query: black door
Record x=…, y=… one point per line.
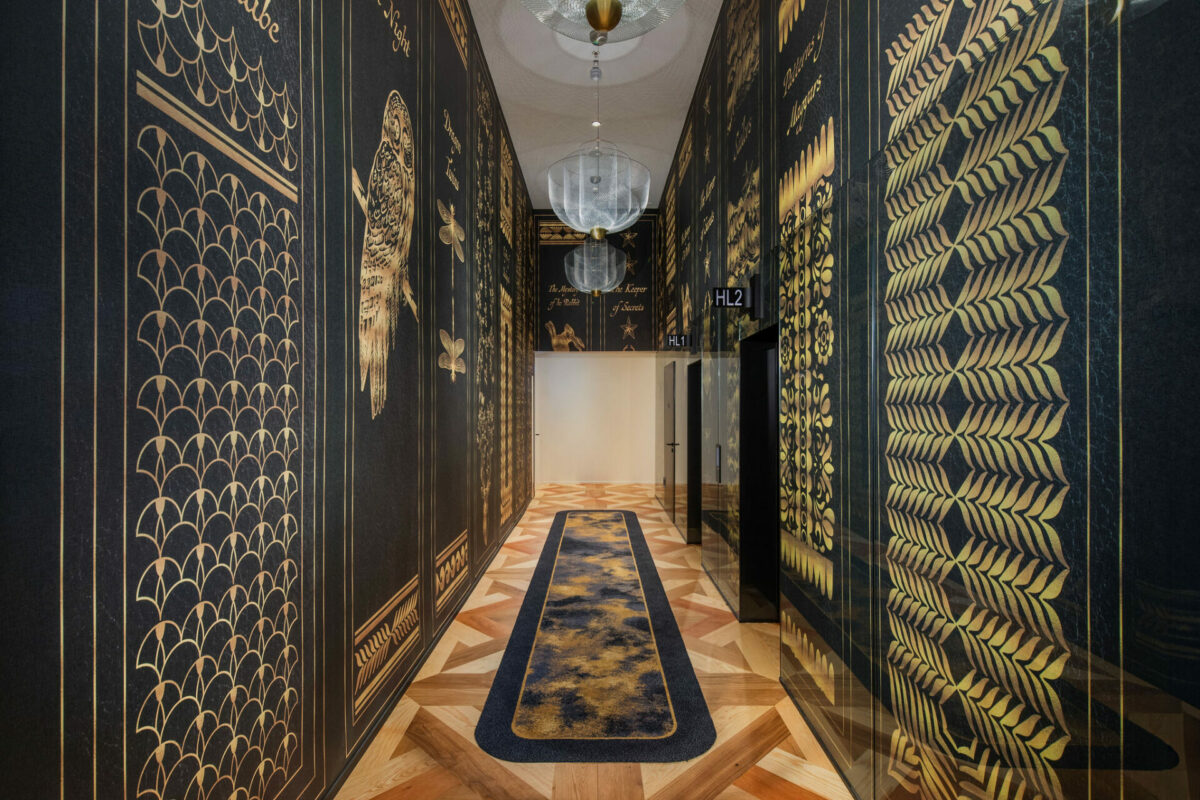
x=669, y=439
x=693, y=452
x=760, y=476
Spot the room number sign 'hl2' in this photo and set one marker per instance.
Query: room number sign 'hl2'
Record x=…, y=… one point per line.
x=731, y=297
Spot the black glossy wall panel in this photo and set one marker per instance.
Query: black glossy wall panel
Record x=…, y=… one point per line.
x=985, y=317
x=258, y=479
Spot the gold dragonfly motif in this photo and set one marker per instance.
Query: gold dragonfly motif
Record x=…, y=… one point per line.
x=451, y=232
x=451, y=360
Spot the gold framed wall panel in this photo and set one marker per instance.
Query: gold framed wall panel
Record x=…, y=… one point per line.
x=219, y=422
x=385, y=151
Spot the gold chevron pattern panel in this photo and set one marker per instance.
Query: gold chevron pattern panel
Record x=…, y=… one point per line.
x=450, y=569
x=806, y=329
x=180, y=41
x=973, y=400
x=382, y=643
x=215, y=379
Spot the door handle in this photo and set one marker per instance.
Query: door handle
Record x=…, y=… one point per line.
x=718, y=463
x=672, y=444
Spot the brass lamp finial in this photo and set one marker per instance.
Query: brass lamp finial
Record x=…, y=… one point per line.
x=603, y=15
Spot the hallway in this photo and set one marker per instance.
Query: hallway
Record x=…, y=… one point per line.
x=764, y=749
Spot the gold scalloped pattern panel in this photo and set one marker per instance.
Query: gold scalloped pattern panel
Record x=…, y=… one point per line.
x=217, y=605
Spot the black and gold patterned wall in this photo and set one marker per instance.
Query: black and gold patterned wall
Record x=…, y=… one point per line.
x=624, y=319
x=978, y=214
x=274, y=299
x=715, y=228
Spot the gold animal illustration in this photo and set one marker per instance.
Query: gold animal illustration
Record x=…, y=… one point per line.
x=561, y=342
x=451, y=360
x=451, y=232
x=389, y=205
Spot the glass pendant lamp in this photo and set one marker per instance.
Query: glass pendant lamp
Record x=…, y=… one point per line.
x=600, y=21
x=595, y=266
x=598, y=189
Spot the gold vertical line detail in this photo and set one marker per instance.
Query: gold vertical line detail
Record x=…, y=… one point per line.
x=95, y=351
x=352, y=327
x=1120, y=410
x=125, y=414
x=324, y=397
x=62, y=414
x=347, y=380
x=303, y=384
x=1087, y=345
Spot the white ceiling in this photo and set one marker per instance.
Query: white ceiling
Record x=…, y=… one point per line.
x=542, y=81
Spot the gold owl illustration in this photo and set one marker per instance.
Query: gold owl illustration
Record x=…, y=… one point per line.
x=389, y=207
x=451, y=359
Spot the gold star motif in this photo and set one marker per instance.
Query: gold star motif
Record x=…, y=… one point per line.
x=628, y=328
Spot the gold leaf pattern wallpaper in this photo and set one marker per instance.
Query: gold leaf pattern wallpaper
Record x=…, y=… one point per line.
x=974, y=253
x=248, y=551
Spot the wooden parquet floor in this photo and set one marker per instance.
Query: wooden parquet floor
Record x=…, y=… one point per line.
x=427, y=749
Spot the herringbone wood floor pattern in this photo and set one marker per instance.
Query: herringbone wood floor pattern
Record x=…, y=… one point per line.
x=427, y=749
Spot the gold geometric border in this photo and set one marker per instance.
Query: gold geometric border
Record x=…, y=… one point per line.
x=552, y=232
x=382, y=642
x=808, y=655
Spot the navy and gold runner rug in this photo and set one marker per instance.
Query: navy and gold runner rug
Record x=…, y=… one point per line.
x=595, y=669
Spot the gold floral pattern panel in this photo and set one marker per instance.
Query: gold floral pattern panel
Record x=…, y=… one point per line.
x=806, y=331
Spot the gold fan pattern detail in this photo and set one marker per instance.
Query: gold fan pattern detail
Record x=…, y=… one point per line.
x=973, y=400
x=180, y=41
x=217, y=537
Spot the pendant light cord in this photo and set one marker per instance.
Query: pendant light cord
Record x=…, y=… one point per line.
x=596, y=79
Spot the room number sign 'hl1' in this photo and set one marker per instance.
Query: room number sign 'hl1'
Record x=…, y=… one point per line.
x=731, y=297
x=679, y=340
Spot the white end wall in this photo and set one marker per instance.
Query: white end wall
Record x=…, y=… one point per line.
x=594, y=416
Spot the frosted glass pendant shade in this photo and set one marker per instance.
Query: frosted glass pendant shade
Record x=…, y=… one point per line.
x=570, y=18
x=595, y=266
x=598, y=188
